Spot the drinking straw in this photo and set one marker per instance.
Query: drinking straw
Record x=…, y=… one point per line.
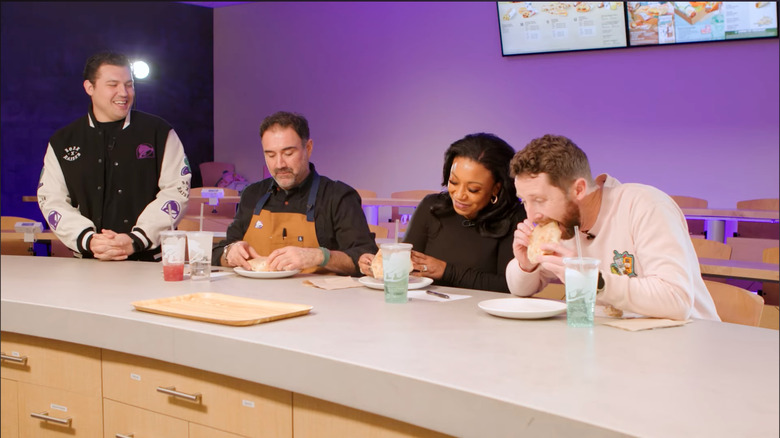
x=170, y=215
x=200, y=219
x=396, y=231
x=577, y=240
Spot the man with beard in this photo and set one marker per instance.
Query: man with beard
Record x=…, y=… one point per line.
x=299, y=219
x=648, y=264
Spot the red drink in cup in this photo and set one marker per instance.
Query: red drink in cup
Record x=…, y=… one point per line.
x=173, y=272
x=173, y=243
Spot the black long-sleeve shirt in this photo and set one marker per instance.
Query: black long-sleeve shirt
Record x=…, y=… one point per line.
x=473, y=261
x=339, y=221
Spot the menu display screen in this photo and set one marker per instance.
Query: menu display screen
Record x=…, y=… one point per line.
x=688, y=22
x=544, y=27
x=536, y=27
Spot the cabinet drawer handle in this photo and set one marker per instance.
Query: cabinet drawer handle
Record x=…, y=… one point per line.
x=20, y=360
x=171, y=390
x=45, y=417
x=121, y=435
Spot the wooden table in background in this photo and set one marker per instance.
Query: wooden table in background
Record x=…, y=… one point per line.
x=371, y=206
x=722, y=222
x=757, y=271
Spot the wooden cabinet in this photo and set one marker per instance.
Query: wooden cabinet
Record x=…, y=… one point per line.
x=57, y=385
x=207, y=399
x=200, y=431
x=9, y=414
x=125, y=420
x=60, y=389
x=315, y=418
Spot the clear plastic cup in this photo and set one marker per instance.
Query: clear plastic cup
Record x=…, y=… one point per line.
x=396, y=263
x=199, y=245
x=581, y=279
x=172, y=244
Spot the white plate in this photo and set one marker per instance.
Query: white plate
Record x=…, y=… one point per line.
x=259, y=274
x=414, y=282
x=523, y=308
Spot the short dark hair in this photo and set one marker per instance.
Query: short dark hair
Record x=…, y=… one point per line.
x=287, y=119
x=555, y=155
x=494, y=153
x=98, y=59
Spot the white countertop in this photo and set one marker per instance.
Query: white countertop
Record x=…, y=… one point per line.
x=446, y=366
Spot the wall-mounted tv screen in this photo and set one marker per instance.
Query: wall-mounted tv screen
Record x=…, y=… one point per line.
x=541, y=27
x=689, y=22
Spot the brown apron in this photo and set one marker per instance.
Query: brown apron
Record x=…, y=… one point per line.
x=269, y=231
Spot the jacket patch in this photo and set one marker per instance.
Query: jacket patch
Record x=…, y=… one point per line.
x=186, y=169
x=54, y=219
x=258, y=224
x=172, y=208
x=623, y=264
x=144, y=150
x=72, y=153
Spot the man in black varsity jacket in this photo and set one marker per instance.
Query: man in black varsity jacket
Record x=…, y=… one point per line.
x=116, y=177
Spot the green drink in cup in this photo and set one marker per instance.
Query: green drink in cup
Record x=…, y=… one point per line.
x=396, y=263
x=581, y=278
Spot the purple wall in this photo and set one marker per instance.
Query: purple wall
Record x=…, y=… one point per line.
x=388, y=86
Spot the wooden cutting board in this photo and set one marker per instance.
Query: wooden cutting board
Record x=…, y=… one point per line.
x=222, y=309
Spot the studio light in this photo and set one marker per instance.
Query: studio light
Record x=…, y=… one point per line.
x=140, y=69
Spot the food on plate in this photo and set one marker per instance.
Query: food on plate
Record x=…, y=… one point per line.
x=583, y=7
x=259, y=264
x=376, y=265
x=547, y=233
x=612, y=311
x=761, y=4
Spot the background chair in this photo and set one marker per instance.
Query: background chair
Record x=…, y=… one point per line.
x=761, y=230
x=379, y=231
x=211, y=171
x=396, y=212
x=695, y=226
x=771, y=291
x=366, y=193
x=404, y=214
x=770, y=317
x=711, y=249
x=223, y=209
x=736, y=305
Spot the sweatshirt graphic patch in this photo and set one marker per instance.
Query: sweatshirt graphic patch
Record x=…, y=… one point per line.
x=623, y=264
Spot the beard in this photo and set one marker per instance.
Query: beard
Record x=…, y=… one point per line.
x=287, y=180
x=570, y=219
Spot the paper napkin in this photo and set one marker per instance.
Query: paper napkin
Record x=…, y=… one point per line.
x=423, y=295
x=333, y=282
x=636, y=324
